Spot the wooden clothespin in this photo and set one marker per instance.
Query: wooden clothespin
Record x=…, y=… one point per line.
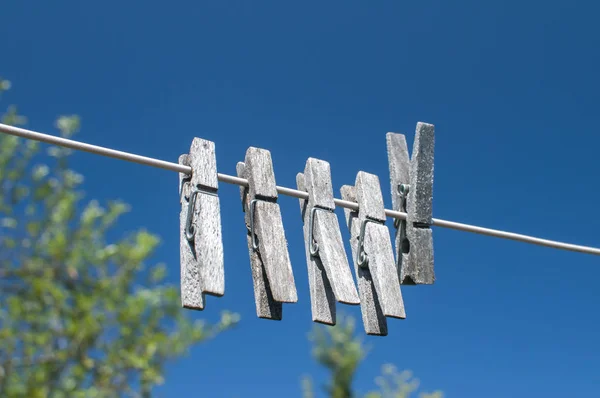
x=412, y=192
x=201, y=243
x=329, y=273
x=377, y=276
x=271, y=268
x=372, y=252
x=266, y=306
x=370, y=306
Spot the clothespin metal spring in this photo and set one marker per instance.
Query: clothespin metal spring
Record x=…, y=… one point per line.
x=403, y=190
x=254, y=237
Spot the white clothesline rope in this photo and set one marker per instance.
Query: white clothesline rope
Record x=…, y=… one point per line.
x=130, y=157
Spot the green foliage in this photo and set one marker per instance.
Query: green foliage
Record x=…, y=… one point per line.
x=341, y=351
x=81, y=315
x=394, y=384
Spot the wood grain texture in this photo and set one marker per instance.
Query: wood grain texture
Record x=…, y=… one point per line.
x=399, y=163
x=368, y=193
x=327, y=234
x=269, y=226
x=261, y=179
x=317, y=178
x=417, y=266
x=274, y=252
x=208, y=242
x=421, y=175
x=266, y=306
x=322, y=299
x=374, y=321
x=203, y=158
x=333, y=256
x=191, y=292
x=378, y=245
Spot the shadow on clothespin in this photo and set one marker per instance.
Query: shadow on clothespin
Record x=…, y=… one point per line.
x=329, y=273
x=371, y=244
x=412, y=192
x=201, y=243
x=271, y=268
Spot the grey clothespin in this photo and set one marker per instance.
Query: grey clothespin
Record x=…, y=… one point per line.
x=329, y=273
x=266, y=306
x=412, y=192
x=267, y=236
x=201, y=248
x=370, y=305
x=374, y=246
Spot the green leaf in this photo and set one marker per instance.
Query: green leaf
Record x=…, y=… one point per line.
x=158, y=273
x=68, y=125
x=39, y=172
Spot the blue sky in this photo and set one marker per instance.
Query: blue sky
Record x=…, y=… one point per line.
x=512, y=88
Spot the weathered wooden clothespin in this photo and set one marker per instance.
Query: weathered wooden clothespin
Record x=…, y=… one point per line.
x=271, y=268
x=266, y=306
x=412, y=192
x=201, y=243
x=376, y=272
x=329, y=273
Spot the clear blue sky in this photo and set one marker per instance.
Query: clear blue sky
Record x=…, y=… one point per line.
x=511, y=86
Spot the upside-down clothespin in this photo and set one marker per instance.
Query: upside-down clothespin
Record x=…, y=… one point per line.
x=329, y=273
x=374, y=246
x=412, y=192
x=201, y=243
x=270, y=261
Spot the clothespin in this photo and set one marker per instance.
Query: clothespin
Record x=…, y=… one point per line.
x=266, y=306
x=329, y=273
x=201, y=243
x=270, y=261
x=372, y=247
x=412, y=192
x=370, y=306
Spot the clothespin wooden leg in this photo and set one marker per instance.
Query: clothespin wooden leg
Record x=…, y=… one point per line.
x=266, y=306
x=266, y=225
x=372, y=314
x=328, y=268
x=206, y=221
x=420, y=198
x=191, y=293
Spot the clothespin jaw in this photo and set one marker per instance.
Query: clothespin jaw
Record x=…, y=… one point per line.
x=201, y=247
x=266, y=306
x=412, y=192
x=329, y=273
x=266, y=226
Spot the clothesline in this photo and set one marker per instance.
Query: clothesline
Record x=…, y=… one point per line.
x=130, y=157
